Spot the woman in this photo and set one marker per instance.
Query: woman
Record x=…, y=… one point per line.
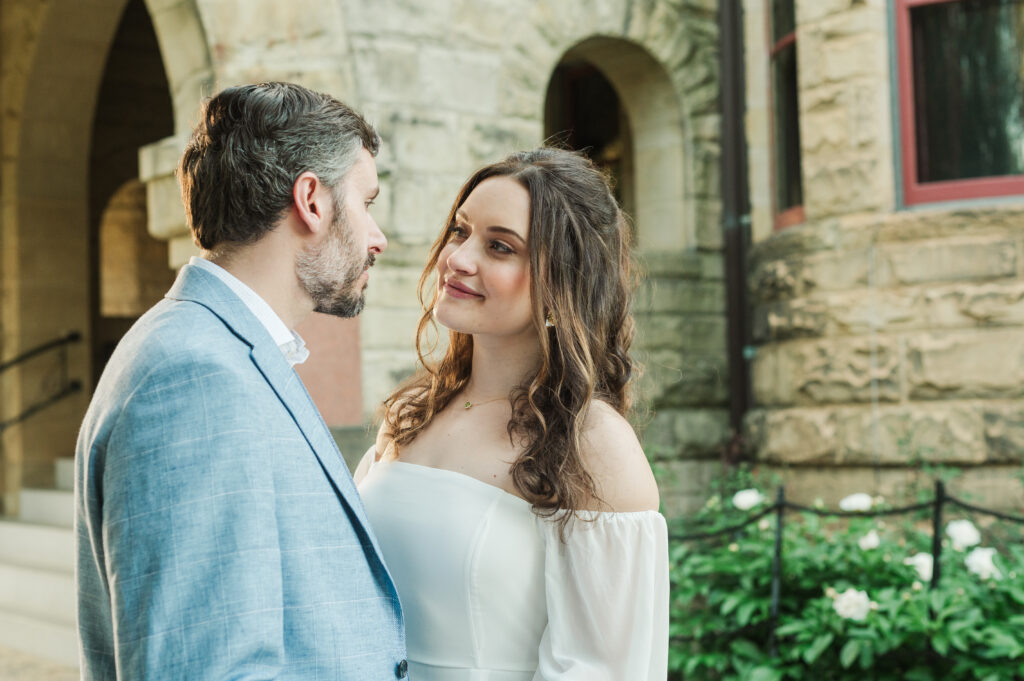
x=511, y=498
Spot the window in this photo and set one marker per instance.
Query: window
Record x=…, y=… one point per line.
x=961, y=93
x=789, y=192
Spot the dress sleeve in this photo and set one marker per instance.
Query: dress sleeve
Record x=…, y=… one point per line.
x=607, y=590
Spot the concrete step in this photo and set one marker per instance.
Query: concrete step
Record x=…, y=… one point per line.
x=34, y=593
x=37, y=546
x=47, y=507
x=57, y=643
x=64, y=473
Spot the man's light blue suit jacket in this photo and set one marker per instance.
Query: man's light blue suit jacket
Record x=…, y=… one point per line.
x=219, y=533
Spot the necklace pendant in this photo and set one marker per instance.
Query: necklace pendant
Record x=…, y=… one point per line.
x=468, y=404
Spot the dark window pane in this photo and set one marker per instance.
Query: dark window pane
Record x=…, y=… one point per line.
x=968, y=95
x=789, y=191
x=783, y=19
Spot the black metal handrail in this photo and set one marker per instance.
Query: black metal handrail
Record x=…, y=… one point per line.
x=70, y=389
x=71, y=337
x=68, y=386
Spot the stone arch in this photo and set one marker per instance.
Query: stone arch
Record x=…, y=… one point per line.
x=47, y=236
x=186, y=55
x=662, y=59
x=658, y=143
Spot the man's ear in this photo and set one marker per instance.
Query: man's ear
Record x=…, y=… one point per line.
x=310, y=197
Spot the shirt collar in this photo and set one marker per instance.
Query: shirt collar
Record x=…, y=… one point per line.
x=290, y=343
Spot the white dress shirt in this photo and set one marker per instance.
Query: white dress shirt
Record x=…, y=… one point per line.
x=290, y=343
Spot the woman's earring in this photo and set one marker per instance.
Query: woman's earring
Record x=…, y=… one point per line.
x=549, y=319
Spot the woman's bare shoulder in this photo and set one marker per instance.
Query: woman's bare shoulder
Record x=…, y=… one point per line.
x=615, y=460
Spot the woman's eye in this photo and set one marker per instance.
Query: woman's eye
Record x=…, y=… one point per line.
x=457, y=231
x=500, y=247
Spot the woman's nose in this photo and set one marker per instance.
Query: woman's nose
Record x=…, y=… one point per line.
x=462, y=258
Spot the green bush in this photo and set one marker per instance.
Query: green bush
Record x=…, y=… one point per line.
x=970, y=627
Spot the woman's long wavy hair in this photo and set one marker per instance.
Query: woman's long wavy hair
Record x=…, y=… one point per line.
x=581, y=272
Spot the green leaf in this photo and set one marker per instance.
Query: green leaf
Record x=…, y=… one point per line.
x=745, y=649
x=815, y=650
x=849, y=653
x=731, y=603
x=765, y=674
x=941, y=644
x=745, y=612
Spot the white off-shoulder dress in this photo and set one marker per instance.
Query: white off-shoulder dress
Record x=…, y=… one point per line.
x=490, y=592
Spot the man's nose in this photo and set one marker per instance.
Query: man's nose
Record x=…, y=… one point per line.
x=376, y=241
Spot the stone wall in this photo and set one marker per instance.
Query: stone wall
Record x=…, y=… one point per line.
x=887, y=338
x=451, y=85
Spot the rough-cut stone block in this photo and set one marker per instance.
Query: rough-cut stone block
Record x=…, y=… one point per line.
x=686, y=434
x=674, y=378
x=834, y=371
x=988, y=304
x=690, y=333
x=388, y=328
x=800, y=318
x=1004, y=432
x=953, y=261
x=793, y=435
x=910, y=435
x=685, y=485
x=386, y=70
x=983, y=363
x=393, y=287
x=668, y=295
x=382, y=371
x=999, y=486
x=164, y=208
x=161, y=158
x=670, y=264
x=459, y=80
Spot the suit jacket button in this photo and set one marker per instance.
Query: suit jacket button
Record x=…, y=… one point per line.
x=402, y=670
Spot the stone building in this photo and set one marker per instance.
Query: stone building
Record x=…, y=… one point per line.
x=887, y=219
x=884, y=311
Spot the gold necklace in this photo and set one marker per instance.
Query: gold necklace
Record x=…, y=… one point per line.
x=469, y=404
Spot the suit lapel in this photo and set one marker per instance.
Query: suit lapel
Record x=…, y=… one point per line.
x=293, y=394
x=202, y=287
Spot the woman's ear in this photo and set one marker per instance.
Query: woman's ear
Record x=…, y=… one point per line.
x=309, y=196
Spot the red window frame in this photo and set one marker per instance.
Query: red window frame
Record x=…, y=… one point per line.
x=915, y=192
x=794, y=215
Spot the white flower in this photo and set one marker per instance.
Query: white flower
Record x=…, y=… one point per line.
x=922, y=562
x=764, y=524
x=734, y=547
x=747, y=499
x=869, y=541
x=979, y=561
x=856, y=502
x=852, y=604
x=964, y=534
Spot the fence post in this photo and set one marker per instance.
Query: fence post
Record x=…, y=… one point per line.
x=940, y=501
x=780, y=508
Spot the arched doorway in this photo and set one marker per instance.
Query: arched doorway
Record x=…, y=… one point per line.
x=90, y=91
x=129, y=271
x=611, y=99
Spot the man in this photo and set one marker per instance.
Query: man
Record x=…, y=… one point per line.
x=219, y=532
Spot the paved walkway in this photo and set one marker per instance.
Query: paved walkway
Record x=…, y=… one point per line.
x=17, y=666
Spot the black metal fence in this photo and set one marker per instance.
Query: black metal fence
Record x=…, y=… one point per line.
x=781, y=505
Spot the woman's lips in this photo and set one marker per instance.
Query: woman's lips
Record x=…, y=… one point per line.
x=457, y=290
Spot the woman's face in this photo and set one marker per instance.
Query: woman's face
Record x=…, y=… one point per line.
x=484, y=267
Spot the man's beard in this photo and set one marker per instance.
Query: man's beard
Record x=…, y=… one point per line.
x=328, y=272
